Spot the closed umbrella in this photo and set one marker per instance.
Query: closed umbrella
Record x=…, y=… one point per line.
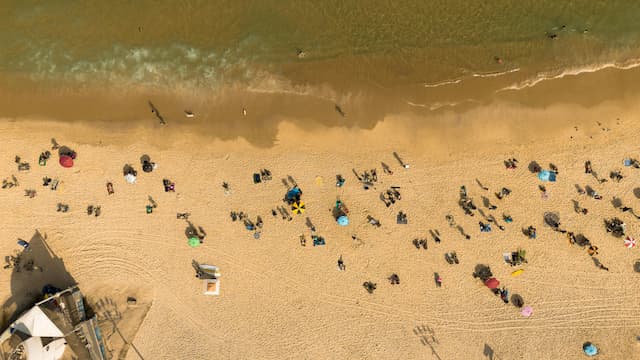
x=492, y=283
x=66, y=161
x=343, y=220
x=630, y=242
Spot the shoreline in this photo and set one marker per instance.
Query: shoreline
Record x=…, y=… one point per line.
x=219, y=114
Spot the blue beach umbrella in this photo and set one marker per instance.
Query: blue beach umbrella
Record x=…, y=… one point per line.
x=590, y=349
x=343, y=220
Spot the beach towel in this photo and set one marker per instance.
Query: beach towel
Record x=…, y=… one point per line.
x=546, y=175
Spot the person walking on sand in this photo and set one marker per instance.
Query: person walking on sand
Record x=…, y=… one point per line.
x=341, y=266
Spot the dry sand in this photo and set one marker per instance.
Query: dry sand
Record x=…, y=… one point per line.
x=281, y=300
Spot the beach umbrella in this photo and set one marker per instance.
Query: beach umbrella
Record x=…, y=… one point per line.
x=131, y=179
x=590, y=349
x=630, y=242
x=343, y=220
x=527, y=311
x=297, y=207
x=147, y=167
x=492, y=283
x=193, y=242
x=66, y=161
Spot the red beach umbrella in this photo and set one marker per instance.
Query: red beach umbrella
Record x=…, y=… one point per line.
x=66, y=161
x=492, y=283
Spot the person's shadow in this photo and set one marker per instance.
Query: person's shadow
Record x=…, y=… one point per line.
x=488, y=351
x=27, y=281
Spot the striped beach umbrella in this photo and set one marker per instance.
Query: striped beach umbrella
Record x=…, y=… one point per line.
x=630, y=242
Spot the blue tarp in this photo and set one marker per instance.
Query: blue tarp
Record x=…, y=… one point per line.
x=546, y=175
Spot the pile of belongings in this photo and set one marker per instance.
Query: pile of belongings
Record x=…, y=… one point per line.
x=465, y=202
x=264, y=175
x=515, y=258
x=169, y=186
x=615, y=226
x=317, y=240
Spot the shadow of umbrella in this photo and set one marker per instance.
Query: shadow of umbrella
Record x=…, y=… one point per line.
x=636, y=266
x=64, y=150
x=534, y=167
x=517, y=300
x=552, y=219
x=483, y=272
x=27, y=281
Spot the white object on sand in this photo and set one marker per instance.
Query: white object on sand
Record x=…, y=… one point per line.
x=406, y=166
x=189, y=114
x=131, y=179
x=244, y=111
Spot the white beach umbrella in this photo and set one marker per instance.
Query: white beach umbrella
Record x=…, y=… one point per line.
x=630, y=242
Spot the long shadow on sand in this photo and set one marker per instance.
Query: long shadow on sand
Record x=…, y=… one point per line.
x=38, y=266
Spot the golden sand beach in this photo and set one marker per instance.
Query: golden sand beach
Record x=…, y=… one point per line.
x=282, y=300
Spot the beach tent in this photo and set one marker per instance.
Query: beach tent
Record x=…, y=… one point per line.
x=590, y=349
x=546, y=175
x=298, y=207
x=37, y=351
x=131, y=179
x=492, y=283
x=66, y=161
x=36, y=323
x=193, y=242
x=343, y=220
x=208, y=271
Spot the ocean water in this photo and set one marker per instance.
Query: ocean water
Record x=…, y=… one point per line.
x=422, y=52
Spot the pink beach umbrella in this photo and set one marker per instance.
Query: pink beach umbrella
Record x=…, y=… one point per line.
x=527, y=311
x=630, y=242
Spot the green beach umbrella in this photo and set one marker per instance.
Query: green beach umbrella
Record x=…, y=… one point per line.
x=194, y=242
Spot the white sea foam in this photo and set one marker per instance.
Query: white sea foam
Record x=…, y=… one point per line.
x=443, y=83
x=496, y=73
x=569, y=72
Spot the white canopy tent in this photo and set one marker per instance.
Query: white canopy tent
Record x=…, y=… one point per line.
x=36, y=323
x=52, y=351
